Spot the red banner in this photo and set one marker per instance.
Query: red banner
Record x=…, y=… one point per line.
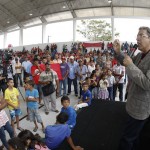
x=56, y=68
x=99, y=44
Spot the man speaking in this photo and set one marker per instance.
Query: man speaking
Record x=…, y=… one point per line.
x=138, y=99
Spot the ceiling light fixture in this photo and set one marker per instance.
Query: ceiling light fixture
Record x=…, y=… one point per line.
x=109, y=1
x=30, y=14
x=64, y=6
x=8, y=21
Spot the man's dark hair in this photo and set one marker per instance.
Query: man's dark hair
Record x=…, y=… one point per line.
x=65, y=98
x=16, y=144
x=85, y=83
x=62, y=118
x=44, y=57
x=35, y=59
x=9, y=79
x=26, y=135
x=31, y=82
x=147, y=29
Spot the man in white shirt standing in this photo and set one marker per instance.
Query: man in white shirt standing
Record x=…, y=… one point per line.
x=119, y=73
x=17, y=68
x=25, y=66
x=57, y=60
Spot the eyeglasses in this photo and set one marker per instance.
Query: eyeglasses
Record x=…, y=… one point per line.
x=142, y=36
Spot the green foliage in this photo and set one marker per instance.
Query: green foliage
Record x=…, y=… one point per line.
x=96, y=30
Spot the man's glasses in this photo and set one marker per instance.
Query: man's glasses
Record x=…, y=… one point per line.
x=142, y=36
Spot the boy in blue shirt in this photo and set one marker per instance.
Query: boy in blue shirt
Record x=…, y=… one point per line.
x=65, y=101
x=86, y=97
x=32, y=98
x=56, y=134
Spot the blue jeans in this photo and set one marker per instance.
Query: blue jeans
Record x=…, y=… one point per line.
x=110, y=90
x=18, y=76
x=64, y=83
x=130, y=138
x=9, y=129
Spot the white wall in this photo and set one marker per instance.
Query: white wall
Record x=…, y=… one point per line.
x=59, y=46
x=42, y=46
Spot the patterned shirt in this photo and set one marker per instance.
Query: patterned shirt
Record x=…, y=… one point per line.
x=82, y=70
x=3, y=118
x=49, y=76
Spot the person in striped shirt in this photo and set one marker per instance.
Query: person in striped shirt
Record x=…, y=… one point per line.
x=4, y=124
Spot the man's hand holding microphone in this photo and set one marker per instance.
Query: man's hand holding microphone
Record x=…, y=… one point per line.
x=117, y=47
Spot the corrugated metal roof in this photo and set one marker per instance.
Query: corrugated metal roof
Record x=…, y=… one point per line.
x=19, y=11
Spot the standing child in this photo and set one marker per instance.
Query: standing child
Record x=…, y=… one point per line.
x=86, y=97
x=11, y=97
x=65, y=101
x=103, y=92
x=111, y=82
x=32, y=98
x=27, y=78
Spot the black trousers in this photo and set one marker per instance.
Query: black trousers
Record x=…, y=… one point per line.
x=130, y=138
x=120, y=88
x=74, y=84
x=3, y=86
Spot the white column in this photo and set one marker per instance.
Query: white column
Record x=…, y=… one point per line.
x=74, y=30
x=112, y=26
x=44, y=33
x=5, y=39
x=21, y=37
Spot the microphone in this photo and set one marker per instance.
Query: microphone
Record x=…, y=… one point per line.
x=133, y=50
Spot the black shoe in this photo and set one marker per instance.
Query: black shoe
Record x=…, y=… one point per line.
x=56, y=111
x=46, y=113
x=68, y=93
x=76, y=95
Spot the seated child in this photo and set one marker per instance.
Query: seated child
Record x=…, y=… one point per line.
x=65, y=101
x=56, y=134
x=103, y=84
x=86, y=97
x=32, y=97
x=31, y=141
x=15, y=144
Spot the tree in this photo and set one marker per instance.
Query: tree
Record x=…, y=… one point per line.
x=96, y=30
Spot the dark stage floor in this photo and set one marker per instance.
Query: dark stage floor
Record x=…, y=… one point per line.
x=100, y=126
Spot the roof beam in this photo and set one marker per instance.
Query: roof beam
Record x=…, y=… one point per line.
x=43, y=20
x=2, y=28
x=112, y=10
x=6, y=11
x=71, y=9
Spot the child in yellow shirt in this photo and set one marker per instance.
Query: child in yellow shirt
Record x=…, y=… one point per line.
x=11, y=97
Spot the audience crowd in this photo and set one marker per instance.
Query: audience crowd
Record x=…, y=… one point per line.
x=47, y=75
